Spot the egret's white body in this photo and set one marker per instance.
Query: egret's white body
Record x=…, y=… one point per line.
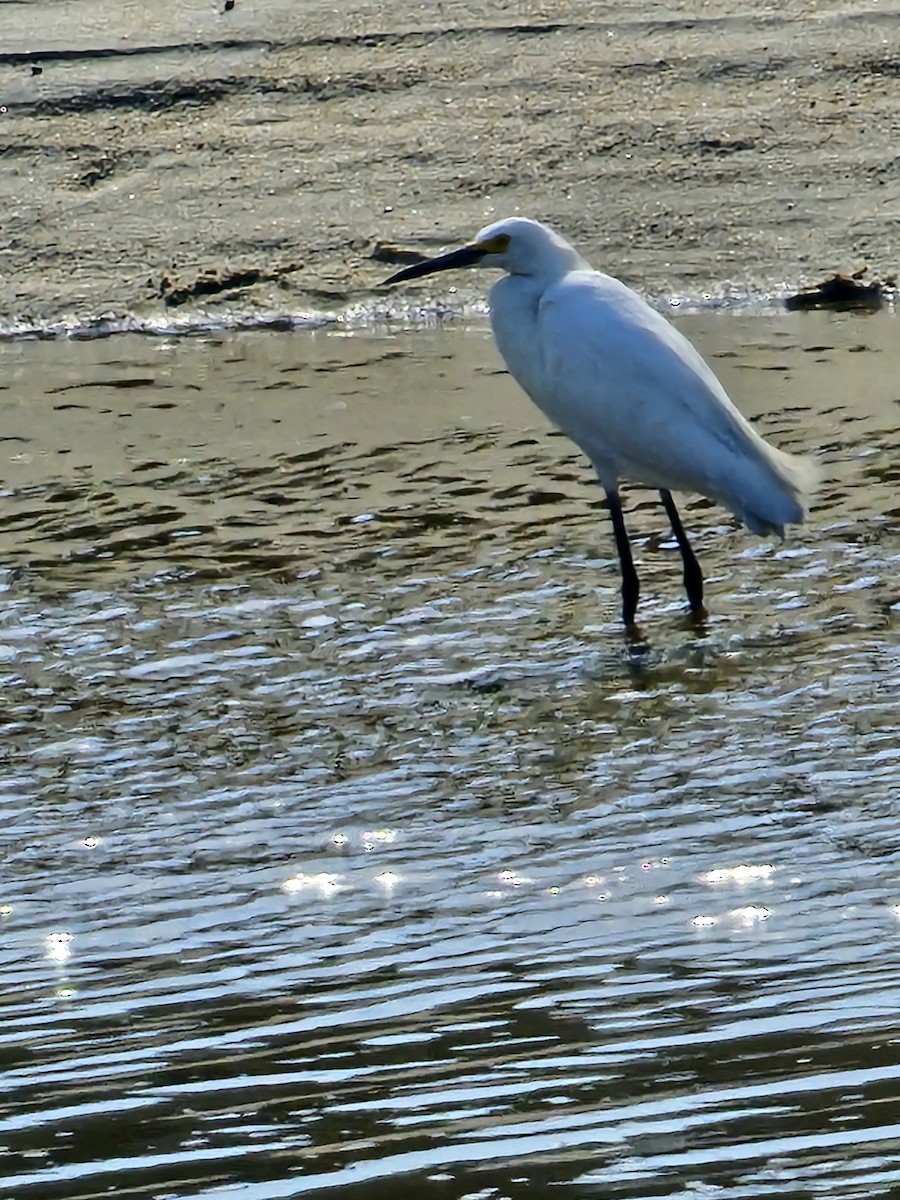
x=636, y=396
x=626, y=386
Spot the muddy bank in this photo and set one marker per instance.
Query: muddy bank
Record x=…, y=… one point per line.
x=275, y=145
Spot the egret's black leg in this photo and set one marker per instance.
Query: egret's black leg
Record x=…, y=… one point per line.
x=630, y=584
x=693, y=576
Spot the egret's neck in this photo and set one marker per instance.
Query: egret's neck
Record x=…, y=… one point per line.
x=550, y=262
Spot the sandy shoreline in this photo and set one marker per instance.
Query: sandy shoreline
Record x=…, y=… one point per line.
x=741, y=151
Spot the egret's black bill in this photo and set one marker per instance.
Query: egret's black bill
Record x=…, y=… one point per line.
x=466, y=256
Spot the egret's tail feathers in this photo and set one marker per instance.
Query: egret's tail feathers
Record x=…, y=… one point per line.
x=802, y=475
x=786, y=500
x=762, y=526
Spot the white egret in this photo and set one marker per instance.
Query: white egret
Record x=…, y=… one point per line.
x=628, y=388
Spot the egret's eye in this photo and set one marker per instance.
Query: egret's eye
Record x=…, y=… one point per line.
x=495, y=245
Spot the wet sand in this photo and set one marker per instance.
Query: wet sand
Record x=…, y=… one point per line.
x=727, y=153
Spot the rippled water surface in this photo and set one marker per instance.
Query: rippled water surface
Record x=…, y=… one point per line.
x=348, y=846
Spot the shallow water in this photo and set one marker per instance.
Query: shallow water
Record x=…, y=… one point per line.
x=349, y=846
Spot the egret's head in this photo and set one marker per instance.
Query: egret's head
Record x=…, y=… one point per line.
x=516, y=245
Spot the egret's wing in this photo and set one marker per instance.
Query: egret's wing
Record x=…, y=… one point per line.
x=641, y=402
x=626, y=386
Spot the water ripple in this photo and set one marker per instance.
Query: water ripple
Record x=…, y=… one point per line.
x=347, y=846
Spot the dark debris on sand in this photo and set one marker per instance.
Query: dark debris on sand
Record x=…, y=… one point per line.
x=396, y=256
x=842, y=293
x=175, y=290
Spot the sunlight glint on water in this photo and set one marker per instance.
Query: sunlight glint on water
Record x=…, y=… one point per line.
x=347, y=845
